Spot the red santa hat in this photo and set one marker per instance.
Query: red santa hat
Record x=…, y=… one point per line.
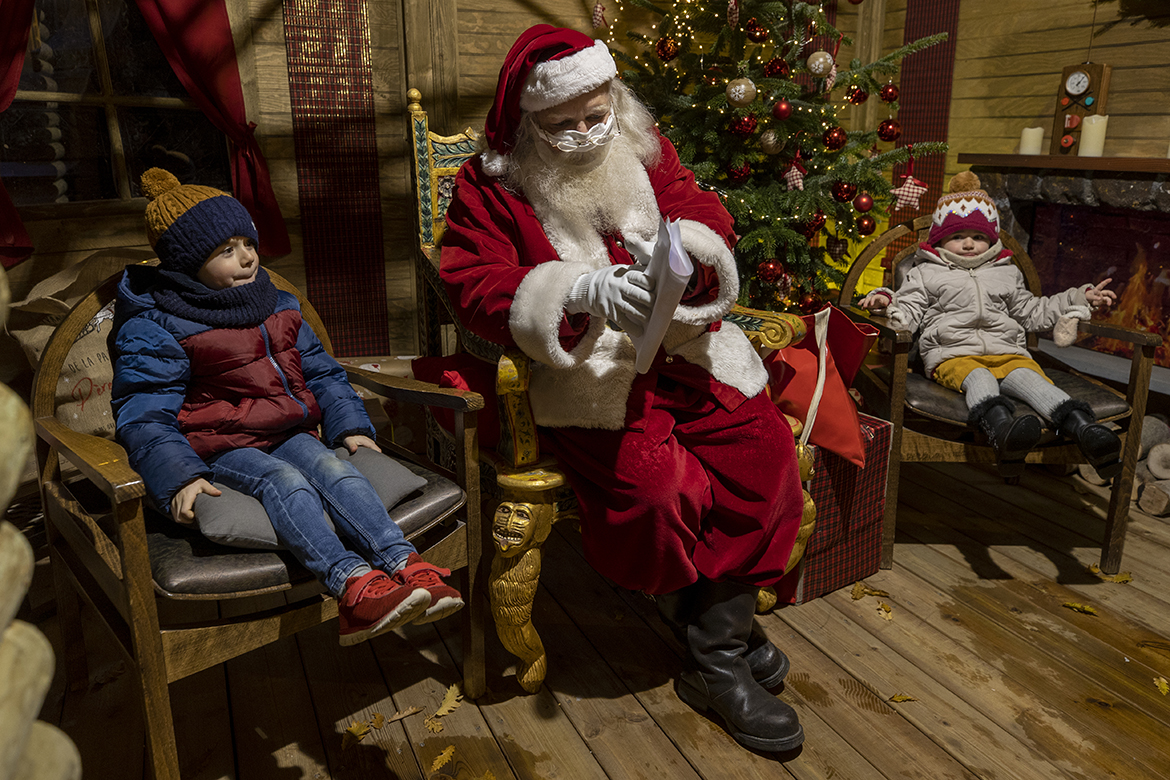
x=546, y=66
x=966, y=208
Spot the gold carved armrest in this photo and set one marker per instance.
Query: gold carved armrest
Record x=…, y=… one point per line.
x=767, y=329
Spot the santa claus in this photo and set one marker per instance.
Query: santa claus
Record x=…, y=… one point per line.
x=686, y=474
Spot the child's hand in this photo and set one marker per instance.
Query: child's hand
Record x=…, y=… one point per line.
x=183, y=504
x=353, y=442
x=1100, y=298
x=876, y=300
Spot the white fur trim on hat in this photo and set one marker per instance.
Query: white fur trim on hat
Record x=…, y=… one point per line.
x=553, y=82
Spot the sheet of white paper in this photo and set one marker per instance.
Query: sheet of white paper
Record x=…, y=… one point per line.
x=670, y=267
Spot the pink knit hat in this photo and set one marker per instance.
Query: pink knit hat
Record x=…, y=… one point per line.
x=546, y=66
x=966, y=208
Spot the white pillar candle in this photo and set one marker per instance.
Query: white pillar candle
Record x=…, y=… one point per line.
x=1031, y=139
x=1093, y=135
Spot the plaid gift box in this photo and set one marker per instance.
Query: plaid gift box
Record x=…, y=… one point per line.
x=846, y=545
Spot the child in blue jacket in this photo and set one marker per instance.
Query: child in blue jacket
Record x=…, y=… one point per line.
x=218, y=379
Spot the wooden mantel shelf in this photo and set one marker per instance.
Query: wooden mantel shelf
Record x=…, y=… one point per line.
x=1069, y=162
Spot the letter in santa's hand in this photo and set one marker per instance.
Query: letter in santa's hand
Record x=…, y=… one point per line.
x=670, y=267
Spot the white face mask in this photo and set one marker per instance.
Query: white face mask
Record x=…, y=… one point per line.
x=576, y=141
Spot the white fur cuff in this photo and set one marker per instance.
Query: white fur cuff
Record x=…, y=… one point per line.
x=537, y=311
x=706, y=247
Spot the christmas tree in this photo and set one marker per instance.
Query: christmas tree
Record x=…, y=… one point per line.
x=745, y=91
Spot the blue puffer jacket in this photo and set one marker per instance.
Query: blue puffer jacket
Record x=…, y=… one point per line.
x=184, y=391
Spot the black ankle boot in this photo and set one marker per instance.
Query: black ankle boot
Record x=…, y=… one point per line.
x=1012, y=437
x=718, y=677
x=768, y=664
x=1098, y=444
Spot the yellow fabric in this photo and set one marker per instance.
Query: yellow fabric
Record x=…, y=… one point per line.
x=951, y=373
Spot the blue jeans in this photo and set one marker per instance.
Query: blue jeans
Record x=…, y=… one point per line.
x=297, y=483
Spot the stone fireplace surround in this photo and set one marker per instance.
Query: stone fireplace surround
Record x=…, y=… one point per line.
x=1020, y=185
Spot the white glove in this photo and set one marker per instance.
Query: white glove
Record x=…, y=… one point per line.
x=619, y=293
x=640, y=249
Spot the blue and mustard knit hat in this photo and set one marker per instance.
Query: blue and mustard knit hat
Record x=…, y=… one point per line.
x=186, y=222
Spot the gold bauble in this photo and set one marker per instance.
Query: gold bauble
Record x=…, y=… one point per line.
x=771, y=142
x=741, y=92
x=819, y=63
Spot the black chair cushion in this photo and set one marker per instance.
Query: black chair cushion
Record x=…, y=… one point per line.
x=936, y=402
x=184, y=563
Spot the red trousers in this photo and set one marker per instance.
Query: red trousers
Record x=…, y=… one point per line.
x=701, y=481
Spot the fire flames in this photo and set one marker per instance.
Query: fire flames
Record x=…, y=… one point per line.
x=1139, y=306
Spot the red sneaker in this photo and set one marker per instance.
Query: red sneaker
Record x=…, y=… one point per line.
x=377, y=602
x=444, y=600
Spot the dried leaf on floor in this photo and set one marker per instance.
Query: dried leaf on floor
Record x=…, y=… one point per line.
x=355, y=733
x=378, y=721
x=433, y=725
x=451, y=700
x=861, y=590
x=488, y=775
x=443, y=758
x=1084, y=609
x=1162, y=686
x=403, y=714
x=885, y=610
x=898, y=698
x=1121, y=578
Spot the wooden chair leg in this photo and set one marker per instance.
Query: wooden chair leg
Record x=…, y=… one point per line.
x=75, y=661
x=520, y=525
x=1117, y=520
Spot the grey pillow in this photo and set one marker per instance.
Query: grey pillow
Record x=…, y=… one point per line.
x=239, y=520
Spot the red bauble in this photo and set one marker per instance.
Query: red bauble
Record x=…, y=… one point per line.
x=866, y=224
x=889, y=93
x=856, y=95
x=738, y=174
x=889, y=130
x=776, y=67
x=835, y=138
x=810, y=303
x=742, y=125
x=782, y=109
x=769, y=271
x=813, y=226
x=667, y=48
x=863, y=202
x=843, y=191
x=755, y=31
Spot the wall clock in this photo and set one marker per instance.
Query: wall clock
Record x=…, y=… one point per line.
x=1082, y=92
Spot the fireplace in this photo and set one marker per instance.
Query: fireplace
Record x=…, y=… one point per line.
x=1110, y=219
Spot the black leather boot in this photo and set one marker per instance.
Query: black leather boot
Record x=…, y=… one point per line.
x=1100, y=446
x=717, y=677
x=768, y=664
x=1012, y=437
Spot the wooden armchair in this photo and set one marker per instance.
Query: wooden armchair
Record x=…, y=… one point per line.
x=124, y=560
x=527, y=489
x=930, y=421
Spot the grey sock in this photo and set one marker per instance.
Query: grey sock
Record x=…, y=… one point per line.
x=1034, y=390
x=979, y=385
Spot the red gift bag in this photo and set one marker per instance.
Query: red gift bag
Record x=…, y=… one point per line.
x=794, y=373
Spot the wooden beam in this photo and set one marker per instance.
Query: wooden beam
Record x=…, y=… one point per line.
x=432, y=58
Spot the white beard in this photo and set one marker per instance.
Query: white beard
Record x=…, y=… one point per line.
x=581, y=196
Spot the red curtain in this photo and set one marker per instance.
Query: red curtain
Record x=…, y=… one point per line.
x=15, y=22
x=196, y=37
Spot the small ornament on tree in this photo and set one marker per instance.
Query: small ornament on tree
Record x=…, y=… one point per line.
x=831, y=79
x=863, y=202
x=866, y=224
x=743, y=126
x=769, y=271
x=738, y=174
x=836, y=247
x=776, y=68
x=666, y=48
x=819, y=63
x=741, y=92
x=911, y=190
x=889, y=93
x=843, y=191
x=732, y=13
x=756, y=32
x=599, y=16
x=835, y=139
x=794, y=176
x=810, y=303
x=856, y=95
x=782, y=109
x=890, y=130
x=813, y=226
x=771, y=142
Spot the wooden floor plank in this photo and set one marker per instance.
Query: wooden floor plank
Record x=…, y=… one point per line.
x=1056, y=702
x=908, y=657
x=646, y=665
